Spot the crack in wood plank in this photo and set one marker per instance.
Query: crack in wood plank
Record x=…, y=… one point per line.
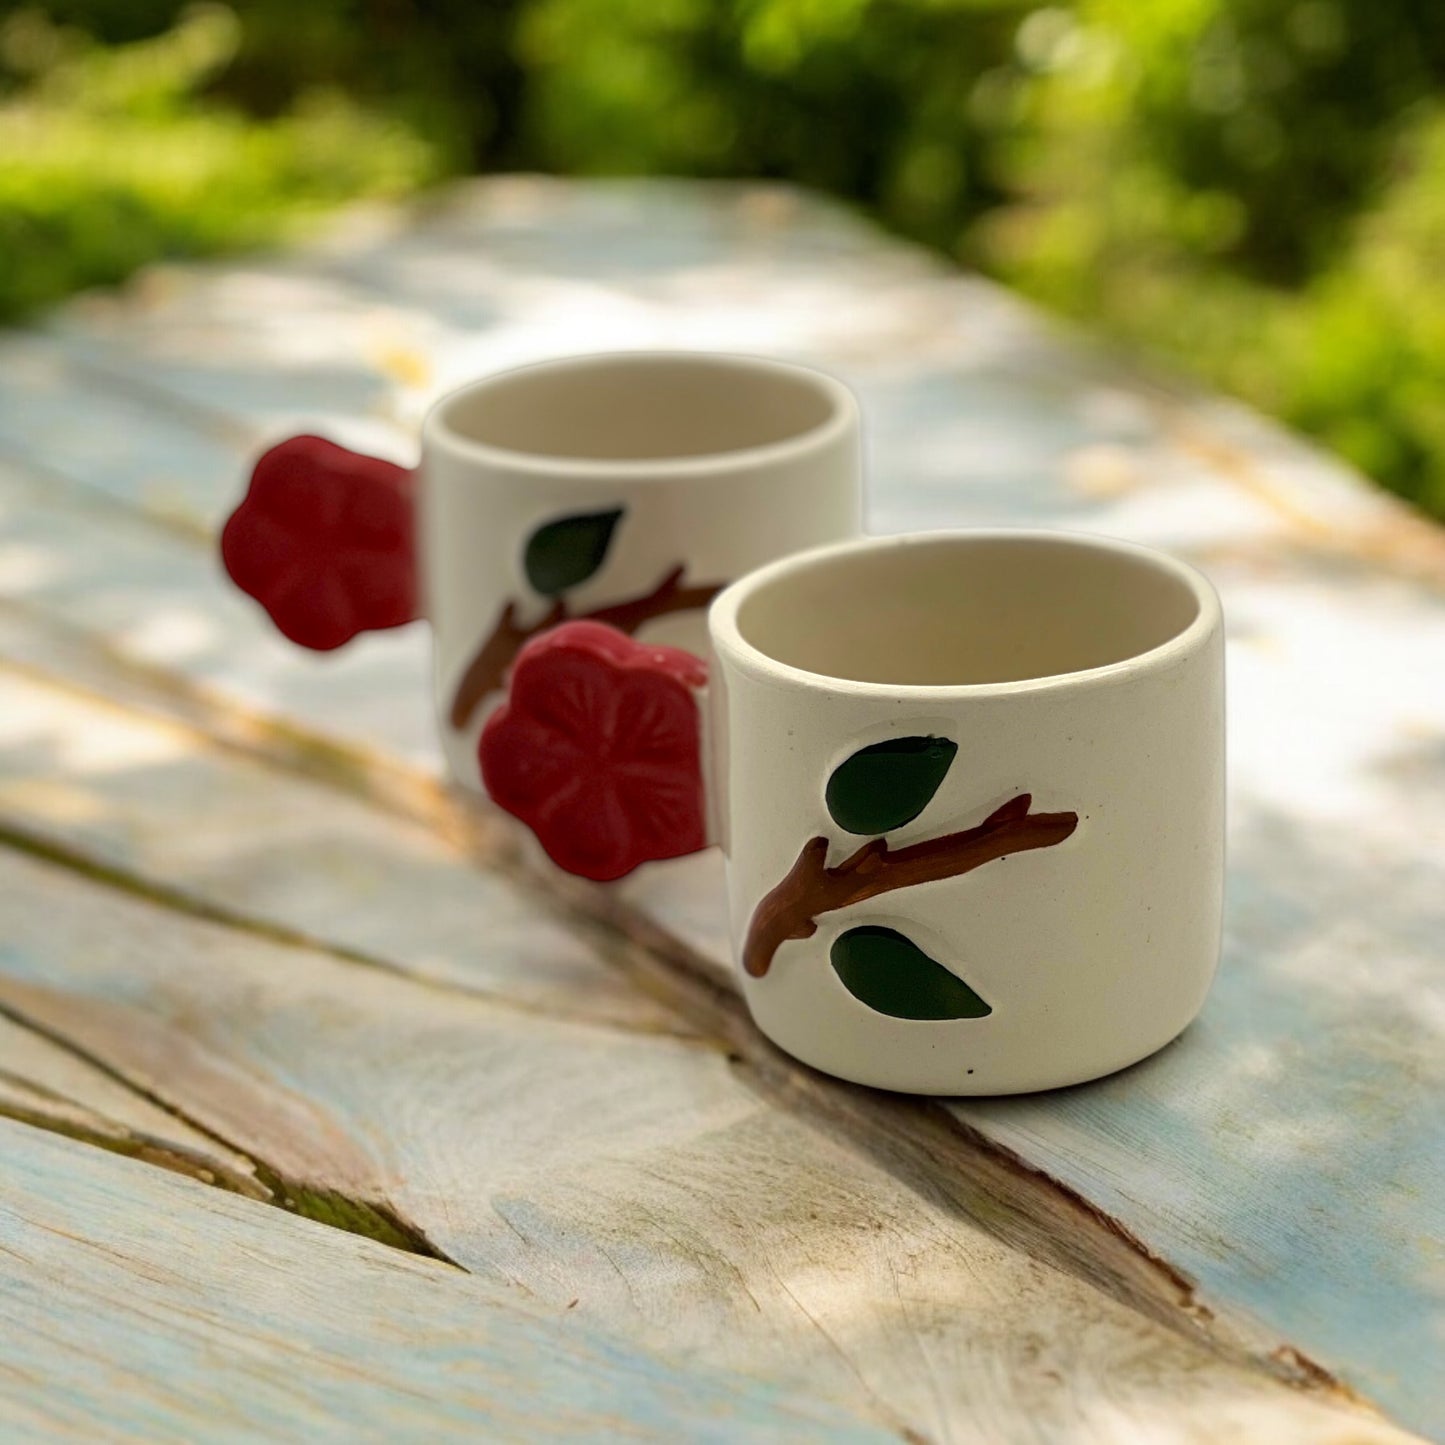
x=134, y=1145
x=128, y=1277
x=373, y=1220
x=994, y=1186
x=986, y=1182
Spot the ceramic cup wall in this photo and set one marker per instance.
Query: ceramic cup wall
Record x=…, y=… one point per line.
x=673, y=472
x=1024, y=733
x=969, y=788
x=627, y=486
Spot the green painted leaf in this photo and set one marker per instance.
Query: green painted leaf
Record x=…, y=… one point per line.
x=565, y=553
x=893, y=975
x=888, y=784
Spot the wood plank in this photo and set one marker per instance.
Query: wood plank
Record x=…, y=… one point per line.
x=219, y=833
x=121, y=447
x=158, y=600
x=971, y=395
x=186, y=831
x=44, y=1084
x=160, y=810
x=649, y=1180
x=982, y=414
x=1294, y=1140
x=138, y=1306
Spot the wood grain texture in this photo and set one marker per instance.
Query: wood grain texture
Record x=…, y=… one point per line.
x=1289, y=1150
x=158, y=601
x=201, y=828
x=214, y=831
x=136, y=1306
x=131, y=449
x=645, y=1179
x=45, y=1084
x=1285, y=1158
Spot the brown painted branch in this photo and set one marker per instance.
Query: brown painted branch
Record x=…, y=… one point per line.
x=811, y=888
x=668, y=596
x=487, y=671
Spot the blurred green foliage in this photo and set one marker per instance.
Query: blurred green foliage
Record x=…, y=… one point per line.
x=111, y=156
x=1255, y=188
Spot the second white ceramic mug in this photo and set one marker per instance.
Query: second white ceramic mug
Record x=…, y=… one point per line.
x=969, y=788
x=629, y=487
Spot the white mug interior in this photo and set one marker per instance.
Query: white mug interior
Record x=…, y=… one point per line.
x=624, y=408
x=966, y=610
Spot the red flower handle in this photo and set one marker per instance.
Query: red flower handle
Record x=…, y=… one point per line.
x=324, y=540
x=597, y=748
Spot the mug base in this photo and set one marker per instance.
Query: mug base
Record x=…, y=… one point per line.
x=920, y=1082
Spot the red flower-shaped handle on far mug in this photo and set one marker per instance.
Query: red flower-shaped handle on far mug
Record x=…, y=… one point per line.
x=324, y=540
x=598, y=749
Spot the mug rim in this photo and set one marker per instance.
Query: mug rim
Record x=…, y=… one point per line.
x=728, y=641
x=842, y=417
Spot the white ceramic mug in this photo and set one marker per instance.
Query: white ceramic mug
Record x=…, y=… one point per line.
x=969, y=787
x=629, y=487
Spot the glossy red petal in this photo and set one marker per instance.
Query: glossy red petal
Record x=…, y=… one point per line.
x=258, y=552
x=658, y=718
x=659, y=763
x=624, y=716
x=675, y=662
x=307, y=504
x=324, y=540
x=526, y=765
x=571, y=687
x=581, y=635
x=664, y=811
x=314, y=612
x=381, y=593
x=588, y=832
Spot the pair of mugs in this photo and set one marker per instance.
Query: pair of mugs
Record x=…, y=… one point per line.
x=968, y=785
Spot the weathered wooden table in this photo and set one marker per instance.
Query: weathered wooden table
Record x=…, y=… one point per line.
x=329, y=1113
